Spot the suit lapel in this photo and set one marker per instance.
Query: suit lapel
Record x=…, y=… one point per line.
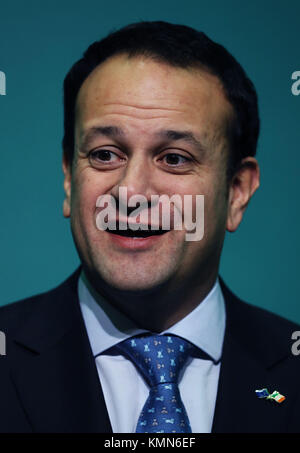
x=54, y=371
x=248, y=364
x=237, y=407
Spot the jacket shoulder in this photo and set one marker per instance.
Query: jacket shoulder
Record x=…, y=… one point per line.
x=264, y=332
x=16, y=312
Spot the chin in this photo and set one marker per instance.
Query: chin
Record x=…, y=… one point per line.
x=132, y=280
x=133, y=284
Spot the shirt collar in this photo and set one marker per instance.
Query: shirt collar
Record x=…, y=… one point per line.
x=106, y=326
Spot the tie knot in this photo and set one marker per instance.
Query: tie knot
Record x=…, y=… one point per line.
x=159, y=358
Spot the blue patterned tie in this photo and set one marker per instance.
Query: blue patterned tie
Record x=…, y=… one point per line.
x=160, y=359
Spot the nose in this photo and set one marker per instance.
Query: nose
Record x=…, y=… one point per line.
x=137, y=178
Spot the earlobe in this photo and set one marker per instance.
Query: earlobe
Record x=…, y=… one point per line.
x=67, y=187
x=243, y=185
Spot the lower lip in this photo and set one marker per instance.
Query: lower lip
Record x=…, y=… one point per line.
x=135, y=243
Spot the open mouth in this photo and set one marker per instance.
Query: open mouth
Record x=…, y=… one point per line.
x=138, y=233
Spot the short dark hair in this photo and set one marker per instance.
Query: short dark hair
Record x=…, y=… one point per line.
x=179, y=46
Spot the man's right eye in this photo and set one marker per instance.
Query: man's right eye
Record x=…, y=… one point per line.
x=101, y=157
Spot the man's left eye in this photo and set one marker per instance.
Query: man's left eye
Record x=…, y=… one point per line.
x=175, y=159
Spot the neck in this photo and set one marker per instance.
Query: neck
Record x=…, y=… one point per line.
x=160, y=307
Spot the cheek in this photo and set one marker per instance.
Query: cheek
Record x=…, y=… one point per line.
x=86, y=188
x=84, y=195
x=215, y=213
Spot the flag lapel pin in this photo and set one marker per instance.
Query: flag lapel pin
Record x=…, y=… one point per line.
x=275, y=396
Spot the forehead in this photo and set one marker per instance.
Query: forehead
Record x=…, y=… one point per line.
x=139, y=89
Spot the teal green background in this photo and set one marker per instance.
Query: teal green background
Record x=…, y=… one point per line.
x=39, y=41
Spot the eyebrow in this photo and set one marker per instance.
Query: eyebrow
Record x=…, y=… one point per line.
x=186, y=136
x=117, y=132
x=94, y=132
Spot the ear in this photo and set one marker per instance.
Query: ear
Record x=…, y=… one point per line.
x=243, y=185
x=67, y=185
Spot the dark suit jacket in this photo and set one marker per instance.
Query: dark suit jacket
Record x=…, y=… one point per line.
x=49, y=381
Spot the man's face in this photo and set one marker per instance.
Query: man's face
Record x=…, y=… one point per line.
x=125, y=111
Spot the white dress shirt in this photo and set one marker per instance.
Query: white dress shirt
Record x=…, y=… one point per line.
x=124, y=389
